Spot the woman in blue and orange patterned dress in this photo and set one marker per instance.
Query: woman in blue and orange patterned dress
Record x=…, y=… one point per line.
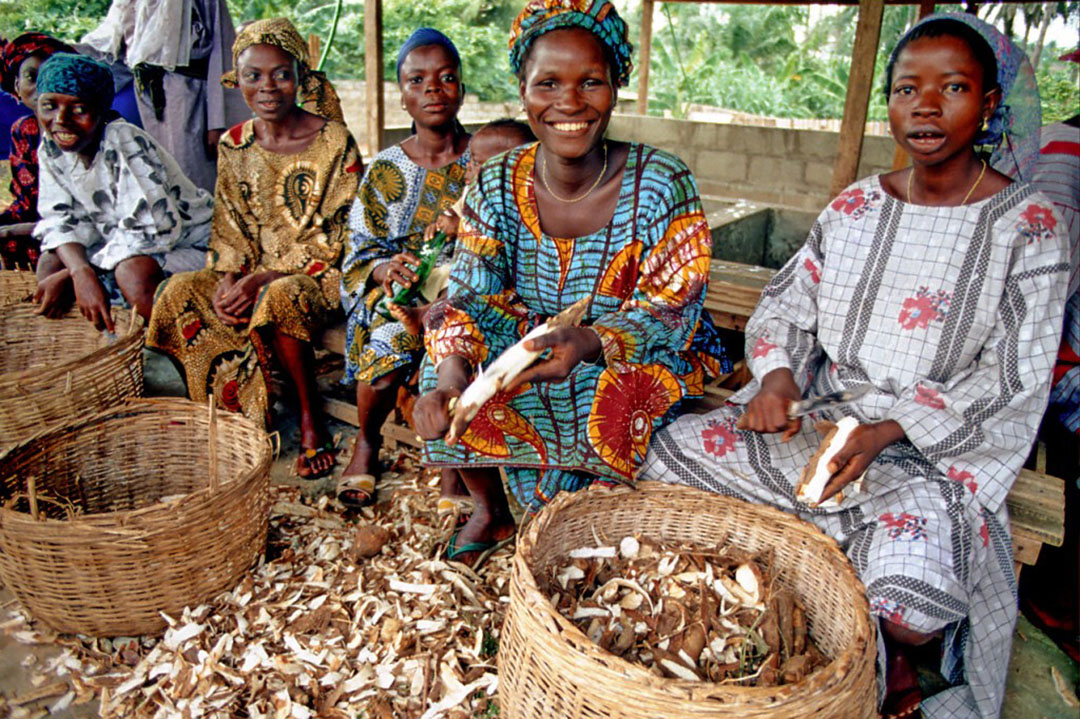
x=574, y=216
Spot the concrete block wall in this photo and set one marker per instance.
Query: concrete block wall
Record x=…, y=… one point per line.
x=768, y=165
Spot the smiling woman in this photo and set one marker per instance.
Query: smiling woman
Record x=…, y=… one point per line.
x=573, y=217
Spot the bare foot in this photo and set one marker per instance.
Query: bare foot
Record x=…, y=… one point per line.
x=411, y=318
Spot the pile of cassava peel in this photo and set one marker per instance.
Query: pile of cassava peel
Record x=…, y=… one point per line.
x=687, y=613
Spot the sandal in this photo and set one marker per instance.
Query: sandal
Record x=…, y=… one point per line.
x=308, y=454
x=356, y=491
x=463, y=506
x=486, y=549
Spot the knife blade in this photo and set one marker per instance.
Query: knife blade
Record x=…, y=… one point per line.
x=832, y=399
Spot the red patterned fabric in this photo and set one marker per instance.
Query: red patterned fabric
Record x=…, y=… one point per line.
x=25, y=136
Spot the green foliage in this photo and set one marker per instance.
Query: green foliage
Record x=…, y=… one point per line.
x=1059, y=89
x=66, y=19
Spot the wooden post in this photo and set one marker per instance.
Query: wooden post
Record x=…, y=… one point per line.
x=900, y=158
x=373, y=60
x=860, y=79
x=314, y=49
x=643, y=53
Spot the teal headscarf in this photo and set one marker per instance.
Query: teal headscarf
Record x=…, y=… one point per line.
x=79, y=76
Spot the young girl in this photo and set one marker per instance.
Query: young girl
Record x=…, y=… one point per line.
x=403, y=192
x=117, y=214
x=285, y=182
x=19, y=63
x=941, y=286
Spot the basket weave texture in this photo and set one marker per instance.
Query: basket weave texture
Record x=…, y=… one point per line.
x=51, y=370
x=16, y=286
x=126, y=555
x=549, y=668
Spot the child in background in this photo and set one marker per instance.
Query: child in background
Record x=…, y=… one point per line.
x=117, y=214
x=19, y=63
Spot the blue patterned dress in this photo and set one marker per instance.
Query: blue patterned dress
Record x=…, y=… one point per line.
x=645, y=272
x=396, y=201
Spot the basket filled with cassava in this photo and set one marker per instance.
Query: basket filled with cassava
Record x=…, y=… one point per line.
x=17, y=286
x=110, y=520
x=670, y=602
x=53, y=369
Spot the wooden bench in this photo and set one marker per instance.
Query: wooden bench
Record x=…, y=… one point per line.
x=1036, y=502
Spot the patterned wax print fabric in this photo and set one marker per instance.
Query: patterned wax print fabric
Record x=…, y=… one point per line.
x=282, y=213
x=131, y=200
x=646, y=274
x=953, y=315
x=1058, y=176
x=22, y=251
x=397, y=200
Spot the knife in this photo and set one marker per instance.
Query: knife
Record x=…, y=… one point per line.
x=832, y=399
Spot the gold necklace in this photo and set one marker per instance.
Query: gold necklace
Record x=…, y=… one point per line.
x=966, y=197
x=547, y=183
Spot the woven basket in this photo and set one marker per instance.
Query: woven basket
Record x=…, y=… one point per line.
x=126, y=555
x=549, y=668
x=51, y=370
x=16, y=286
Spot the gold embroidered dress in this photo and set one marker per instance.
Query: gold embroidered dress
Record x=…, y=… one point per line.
x=282, y=213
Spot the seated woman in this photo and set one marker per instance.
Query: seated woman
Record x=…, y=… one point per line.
x=19, y=63
x=285, y=182
x=941, y=286
x=117, y=214
x=573, y=217
x=403, y=192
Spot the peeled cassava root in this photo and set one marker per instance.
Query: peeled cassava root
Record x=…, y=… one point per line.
x=816, y=475
x=687, y=612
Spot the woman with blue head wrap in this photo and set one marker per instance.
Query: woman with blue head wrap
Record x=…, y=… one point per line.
x=117, y=214
x=403, y=191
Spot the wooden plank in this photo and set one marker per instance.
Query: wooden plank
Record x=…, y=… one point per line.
x=644, y=54
x=373, y=61
x=1025, y=548
x=314, y=45
x=1036, y=505
x=346, y=412
x=857, y=100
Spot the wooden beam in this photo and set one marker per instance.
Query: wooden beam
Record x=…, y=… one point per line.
x=373, y=61
x=314, y=45
x=857, y=101
x=644, y=53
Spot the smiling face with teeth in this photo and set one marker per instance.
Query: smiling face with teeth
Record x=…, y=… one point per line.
x=568, y=91
x=71, y=122
x=937, y=101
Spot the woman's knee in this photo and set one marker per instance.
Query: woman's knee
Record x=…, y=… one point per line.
x=138, y=278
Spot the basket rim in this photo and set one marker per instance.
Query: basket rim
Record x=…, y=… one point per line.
x=679, y=689
x=129, y=407
x=134, y=333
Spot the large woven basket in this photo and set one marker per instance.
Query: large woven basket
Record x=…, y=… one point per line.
x=144, y=508
x=549, y=668
x=51, y=370
x=16, y=286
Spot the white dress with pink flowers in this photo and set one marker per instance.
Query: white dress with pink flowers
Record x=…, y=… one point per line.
x=953, y=314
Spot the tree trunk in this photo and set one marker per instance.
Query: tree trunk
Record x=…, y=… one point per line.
x=1048, y=17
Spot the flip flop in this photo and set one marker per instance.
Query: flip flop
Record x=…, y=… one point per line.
x=353, y=484
x=905, y=704
x=307, y=454
x=486, y=549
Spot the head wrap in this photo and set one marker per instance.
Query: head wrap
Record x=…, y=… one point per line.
x=13, y=53
x=1013, y=129
x=79, y=76
x=599, y=18
x=315, y=94
x=422, y=38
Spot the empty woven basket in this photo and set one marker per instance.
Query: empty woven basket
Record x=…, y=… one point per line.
x=146, y=507
x=549, y=668
x=51, y=370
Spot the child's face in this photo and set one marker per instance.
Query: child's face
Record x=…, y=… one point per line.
x=70, y=121
x=485, y=145
x=26, y=81
x=937, y=102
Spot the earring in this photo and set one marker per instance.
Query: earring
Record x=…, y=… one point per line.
x=986, y=124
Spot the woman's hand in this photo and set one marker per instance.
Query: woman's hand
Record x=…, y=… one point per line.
x=864, y=444
x=53, y=295
x=399, y=270
x=569, y=346
x=220, y=291
x=431, y=415
x=235, y=305
x=90, y=296
x=767, y=412
x=446, y=222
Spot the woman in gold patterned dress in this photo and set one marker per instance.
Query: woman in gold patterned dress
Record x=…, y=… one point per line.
x=286, y=180
x=403, y=192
